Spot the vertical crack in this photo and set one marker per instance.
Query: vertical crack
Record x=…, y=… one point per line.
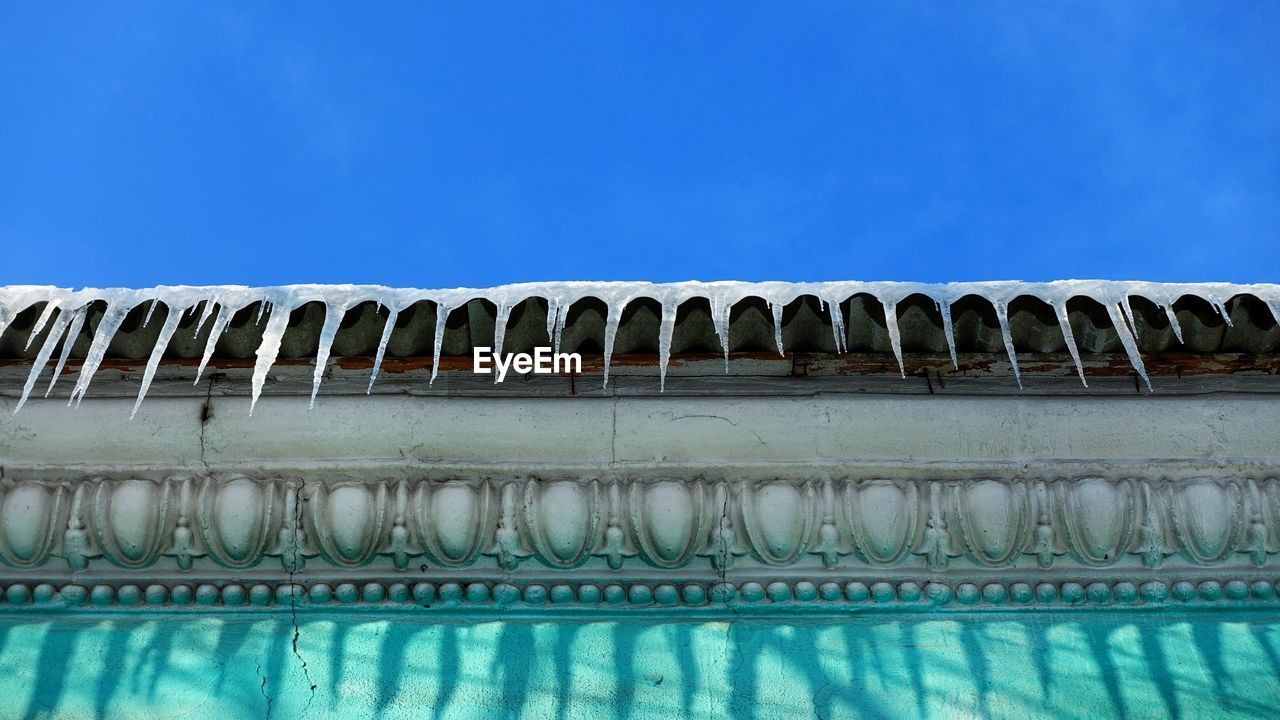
x=262, y=688
x=206, y=412
x=293, y=600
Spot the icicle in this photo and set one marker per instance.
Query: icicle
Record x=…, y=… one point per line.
x=895, y=339
x=1127, y=306
x=332, y=318
x=219, y=325
x=442, y=315
x=206, y=311
x=1127, y=340
x=77, y=322
x=945, y=309
x=776, y=307
x=106, y=330
x=837, y=327
x=1222, y=309
x=1173, y=321
x=42, y=358
x=665, y=331
x=562, y=316
x=49, y=307
x=151, y=310
x=1060, y=309
x=720, y=319
x=1002, y=314
x=162, y=341
x=387, y=329
x=553, y=311
x=502, y=315
x=610, y=334
x=267, y=351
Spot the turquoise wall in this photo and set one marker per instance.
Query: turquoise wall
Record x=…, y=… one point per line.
x=1099, y=664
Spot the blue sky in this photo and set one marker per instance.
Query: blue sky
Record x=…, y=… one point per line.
x=447, y=145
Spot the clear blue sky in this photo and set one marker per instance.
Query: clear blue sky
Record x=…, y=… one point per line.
x=258, y=143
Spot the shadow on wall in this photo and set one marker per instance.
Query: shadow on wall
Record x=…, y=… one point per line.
x=1107, y=664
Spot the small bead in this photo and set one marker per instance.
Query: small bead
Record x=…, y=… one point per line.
x=1210, y=590
x=1125, y=592
x=17, y=594
x=909, y=592
x=752, y=591
x=260, y=594
x=666, y=594
x=1099, y=593
x=232, y=595
x=1046, y=592
x=1262, y=590
x=614, y=594
x=967, y=593
x=424, y=593
x=937, y=593
x=778, y=591
x=694, y=594
x=856, y=591
x=208, y=594
x=288, y=594
x=373, y=592
x=398, y=592
x=723, y=592
x=1183, y=590
x=181, y=594
x=451, y=592
x=347, y=593
x=1021, y=593
x=805, y=591
x=882, y=592
x=994, y=593
x=156, y=594
x=1072, y=592
x=830, y=591
x=44, y=592
x=589, y=594
x=640, y=594
x=477, y=593
x=535, y=594
x=561, y=594
x=102, y=595
x=73, y=595
x=506, y=593
x=1236, y=589
x=1153, y=591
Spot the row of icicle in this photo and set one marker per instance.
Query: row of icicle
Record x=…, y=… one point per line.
x=72, y=307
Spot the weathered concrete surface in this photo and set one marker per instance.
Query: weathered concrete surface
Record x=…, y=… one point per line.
x=1218, y=665
x=411, y=433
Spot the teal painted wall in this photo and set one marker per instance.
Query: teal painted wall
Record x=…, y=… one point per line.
x=1101, y=664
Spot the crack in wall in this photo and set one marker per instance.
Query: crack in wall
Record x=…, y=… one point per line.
x=262, y=688
x=293, y=600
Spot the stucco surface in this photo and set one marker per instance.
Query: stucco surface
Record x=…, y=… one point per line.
x=1133, y=665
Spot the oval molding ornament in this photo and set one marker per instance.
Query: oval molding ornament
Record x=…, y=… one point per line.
x=669, y=519
x=30, y=514
x=130, y=520
x=1208, y=517
x=349, y=521
x=1100, y=518
x=779, y=520
x=563, y=521
x=993, y=519
x=238, y=520
x=883, y=518
x=453, y=521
